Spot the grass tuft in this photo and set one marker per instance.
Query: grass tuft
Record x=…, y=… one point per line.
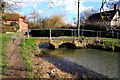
x=28, y=46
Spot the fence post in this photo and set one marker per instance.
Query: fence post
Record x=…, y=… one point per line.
x=50, y=34
x=97, y=33
x=100, y=33
x=112, y=33
x=72, y=32
x=117, y=35
x=82, y=32
x=28, y=33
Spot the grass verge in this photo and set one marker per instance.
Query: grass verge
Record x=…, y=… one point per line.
x=110, y=44
x=113, y=43
x=27, y=47
x=4, y=39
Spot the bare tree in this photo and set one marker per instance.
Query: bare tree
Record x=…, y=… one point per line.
x=86, y=13
x=2, y=6
x=33, y=15
x=10, y=6
x=40, y=21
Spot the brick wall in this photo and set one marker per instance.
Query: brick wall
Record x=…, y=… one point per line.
x=23, y=25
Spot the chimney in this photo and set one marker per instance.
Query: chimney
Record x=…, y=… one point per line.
x=116, y=6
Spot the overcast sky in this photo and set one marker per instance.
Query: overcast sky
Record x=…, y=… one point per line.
x=46, y=8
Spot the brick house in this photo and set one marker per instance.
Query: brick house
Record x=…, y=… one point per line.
x=14, y=17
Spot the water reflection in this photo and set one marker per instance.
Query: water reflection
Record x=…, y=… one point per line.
x=103, y=62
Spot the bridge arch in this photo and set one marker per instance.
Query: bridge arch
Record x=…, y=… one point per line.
x=46, y=45
x=67, y=45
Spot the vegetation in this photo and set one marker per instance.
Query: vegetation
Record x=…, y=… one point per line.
x=6, y=6
x=111, y=43
x=4, y=38
x=33, y=15
x=108, y=44
x=27, y=47
x=54, y=21
x=110, y=40
x=2, y=5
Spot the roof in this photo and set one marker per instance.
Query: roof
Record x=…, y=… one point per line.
x=107, y=16
x=12, y=16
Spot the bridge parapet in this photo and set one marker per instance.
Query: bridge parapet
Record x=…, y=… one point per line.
x=79, y=42
x=42, y=40
x=59, y=42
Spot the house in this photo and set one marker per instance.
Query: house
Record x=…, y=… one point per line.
x=111, y=18
x=14, y=17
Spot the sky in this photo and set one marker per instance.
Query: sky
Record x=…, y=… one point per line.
x=46, y=8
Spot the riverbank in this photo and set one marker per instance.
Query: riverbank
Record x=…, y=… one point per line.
x=71, y=67
x=36, y=66
x=45, y=68
x=107, y=44
x=41, y=68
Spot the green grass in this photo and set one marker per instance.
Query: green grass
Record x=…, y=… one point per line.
x=108, y=43
x=4, y=38
x=106, y=39
x=114, y=42
x=27, y=47
x=110, y=39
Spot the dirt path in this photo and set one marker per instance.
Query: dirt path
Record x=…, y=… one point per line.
x=16, y=67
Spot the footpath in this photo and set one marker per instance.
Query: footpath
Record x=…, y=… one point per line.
x=16, y=68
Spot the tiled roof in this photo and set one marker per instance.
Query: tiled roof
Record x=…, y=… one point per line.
x=107, y=16
x=12, y=16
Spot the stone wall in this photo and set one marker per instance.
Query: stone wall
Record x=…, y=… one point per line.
x=93, y=43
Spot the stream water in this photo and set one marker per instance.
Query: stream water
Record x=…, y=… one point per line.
x=102, y=62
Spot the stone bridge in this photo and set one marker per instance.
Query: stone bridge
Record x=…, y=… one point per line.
x=57, y=42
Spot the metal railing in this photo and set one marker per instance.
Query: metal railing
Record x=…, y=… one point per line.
x=71, y=32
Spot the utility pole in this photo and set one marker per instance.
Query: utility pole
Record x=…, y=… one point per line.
x=78, y=25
